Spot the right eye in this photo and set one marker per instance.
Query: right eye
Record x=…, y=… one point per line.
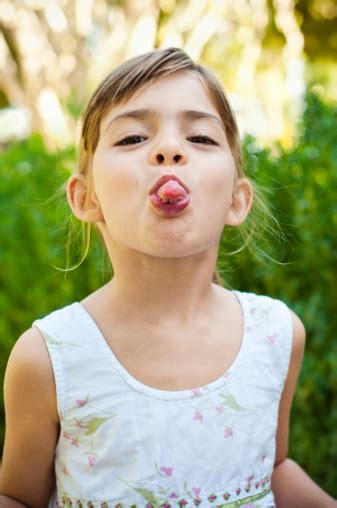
x=131, y=140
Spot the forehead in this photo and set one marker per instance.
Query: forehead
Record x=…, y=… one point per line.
x=168, y=95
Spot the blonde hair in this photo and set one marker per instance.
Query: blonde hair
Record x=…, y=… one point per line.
x=121, y=84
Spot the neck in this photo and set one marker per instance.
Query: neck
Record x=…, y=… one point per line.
x=173, y=290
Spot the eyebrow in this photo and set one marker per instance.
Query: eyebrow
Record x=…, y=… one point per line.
x=143, y=114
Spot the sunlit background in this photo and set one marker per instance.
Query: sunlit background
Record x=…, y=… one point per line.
x=53, y=53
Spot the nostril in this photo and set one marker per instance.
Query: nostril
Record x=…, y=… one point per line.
x=161, y=158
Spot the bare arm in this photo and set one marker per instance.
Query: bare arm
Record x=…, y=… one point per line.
x=292, y=487
x=32, y=426
x=6, y=502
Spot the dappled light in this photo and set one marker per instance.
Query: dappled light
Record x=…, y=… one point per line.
x=53, y=54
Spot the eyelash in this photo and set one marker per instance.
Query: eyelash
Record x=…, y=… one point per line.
x=202, y=136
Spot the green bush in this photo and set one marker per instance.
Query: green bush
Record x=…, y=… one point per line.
x=302, y=184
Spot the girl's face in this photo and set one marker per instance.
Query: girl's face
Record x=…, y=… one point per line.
x=162, y=137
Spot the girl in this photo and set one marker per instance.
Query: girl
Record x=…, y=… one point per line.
x=162, y=388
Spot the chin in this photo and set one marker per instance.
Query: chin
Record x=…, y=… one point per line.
x=182, y=249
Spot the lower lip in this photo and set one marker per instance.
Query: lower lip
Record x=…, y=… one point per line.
x=169, y=209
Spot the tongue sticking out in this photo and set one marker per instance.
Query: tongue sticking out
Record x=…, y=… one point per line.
x=171, y=192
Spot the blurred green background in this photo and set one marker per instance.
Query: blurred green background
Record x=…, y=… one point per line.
x=276, y=60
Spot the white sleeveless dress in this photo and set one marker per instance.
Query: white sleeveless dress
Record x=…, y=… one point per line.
x=123, y=444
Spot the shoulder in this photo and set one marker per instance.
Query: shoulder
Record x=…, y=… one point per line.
x=30, y=351
x=29, y=370
x=298, y=344
x=263, y=302
x=276, y=314
x=295, y=363
x=297, y=329
x=272, y=307
x=298, y=340
x=298, y=335
x=274, y=304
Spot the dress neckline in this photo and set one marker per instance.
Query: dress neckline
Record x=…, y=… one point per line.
x=157, y=393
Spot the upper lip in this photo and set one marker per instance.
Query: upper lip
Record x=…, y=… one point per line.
x=166, y=178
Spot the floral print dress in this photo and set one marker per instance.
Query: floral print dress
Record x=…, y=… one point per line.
x=124, y=444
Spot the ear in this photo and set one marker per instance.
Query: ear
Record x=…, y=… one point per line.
x=83, y=203
x=242, y=200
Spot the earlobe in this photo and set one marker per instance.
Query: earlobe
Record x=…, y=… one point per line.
x=241, y=202
x=84, y=206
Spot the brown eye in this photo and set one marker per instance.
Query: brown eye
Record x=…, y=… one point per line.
x=131, y=140
x=203, y=140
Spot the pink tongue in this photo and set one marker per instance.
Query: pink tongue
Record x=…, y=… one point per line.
x=171, y=192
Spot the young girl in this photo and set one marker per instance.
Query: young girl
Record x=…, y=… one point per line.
x=162, y=388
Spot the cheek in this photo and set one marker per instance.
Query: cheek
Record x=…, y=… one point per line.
x=115, y=181
x=219, y=185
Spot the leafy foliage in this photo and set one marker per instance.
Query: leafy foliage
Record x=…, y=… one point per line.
x=302, y=184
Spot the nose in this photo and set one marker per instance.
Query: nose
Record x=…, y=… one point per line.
x=168, y=152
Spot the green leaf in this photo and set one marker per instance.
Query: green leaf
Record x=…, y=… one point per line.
x=148, y=495
x=93, y=425
x=50, y=340
x=230, y=401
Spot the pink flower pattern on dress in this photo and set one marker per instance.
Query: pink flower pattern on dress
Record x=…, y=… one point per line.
x=219, y=409
x=198, y=416
x=166, y=470
x=81, y=431
x=228, y=407
x=228, y=432
x=272, y=338
x=82, y=402
x=193, y=493
x=91, y=460
x=196, y=392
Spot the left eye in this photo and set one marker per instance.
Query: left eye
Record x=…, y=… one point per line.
x=203, y=140
x=130, y=140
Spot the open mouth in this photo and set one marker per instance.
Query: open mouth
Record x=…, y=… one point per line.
x=169, y=197
x=166, y=178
